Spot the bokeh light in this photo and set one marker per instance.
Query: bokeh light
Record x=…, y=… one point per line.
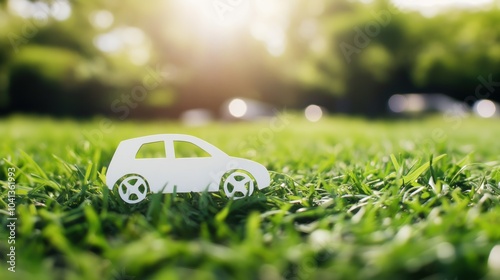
x=101, y=19
x=237, y=108
x=128, y=39
x=411, y=103
x=485, y=108
x=59, y=10
x=313, y=113
x=397, y=103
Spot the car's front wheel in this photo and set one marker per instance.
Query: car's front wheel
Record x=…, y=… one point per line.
x=132, y=188
x=238, y=184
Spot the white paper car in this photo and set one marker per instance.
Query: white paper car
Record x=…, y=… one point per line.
x=165, y=172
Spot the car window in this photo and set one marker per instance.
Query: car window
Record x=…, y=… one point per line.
x=152, y=150
x=189, y=150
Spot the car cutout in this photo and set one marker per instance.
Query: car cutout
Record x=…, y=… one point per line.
x=135, y=177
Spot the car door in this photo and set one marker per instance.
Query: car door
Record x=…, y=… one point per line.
x=196, y=169
x=152, y=161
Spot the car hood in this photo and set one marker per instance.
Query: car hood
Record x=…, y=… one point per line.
x=258, y=171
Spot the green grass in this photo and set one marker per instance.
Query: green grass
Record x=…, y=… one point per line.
x=349, y=199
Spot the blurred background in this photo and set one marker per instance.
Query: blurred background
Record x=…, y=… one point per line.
x=246, y=59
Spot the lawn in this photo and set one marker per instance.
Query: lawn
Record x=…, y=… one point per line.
x=349, y=199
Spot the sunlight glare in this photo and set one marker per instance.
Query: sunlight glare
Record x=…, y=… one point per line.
x=430, y=8
x=139, y=56
x=269, y=25
x=132, y=36
x=266, y=20
x=213, y=17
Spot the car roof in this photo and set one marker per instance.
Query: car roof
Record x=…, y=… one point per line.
x=129, y=147
x=162, y=137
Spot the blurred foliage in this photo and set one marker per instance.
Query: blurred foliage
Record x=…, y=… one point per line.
x=349, y=56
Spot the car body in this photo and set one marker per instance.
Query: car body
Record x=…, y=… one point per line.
x=170, y=174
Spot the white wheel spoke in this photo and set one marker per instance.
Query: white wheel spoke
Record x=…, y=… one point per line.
x=232, y=180
x=244, y=186
x=138, y=184
x=246, y=180
x=126, y=189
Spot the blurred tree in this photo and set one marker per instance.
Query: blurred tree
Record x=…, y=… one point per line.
x=375, y=50
x=128, y=58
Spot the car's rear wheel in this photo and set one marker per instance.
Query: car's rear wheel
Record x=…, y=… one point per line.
x=238, y=184
x=133, y=188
